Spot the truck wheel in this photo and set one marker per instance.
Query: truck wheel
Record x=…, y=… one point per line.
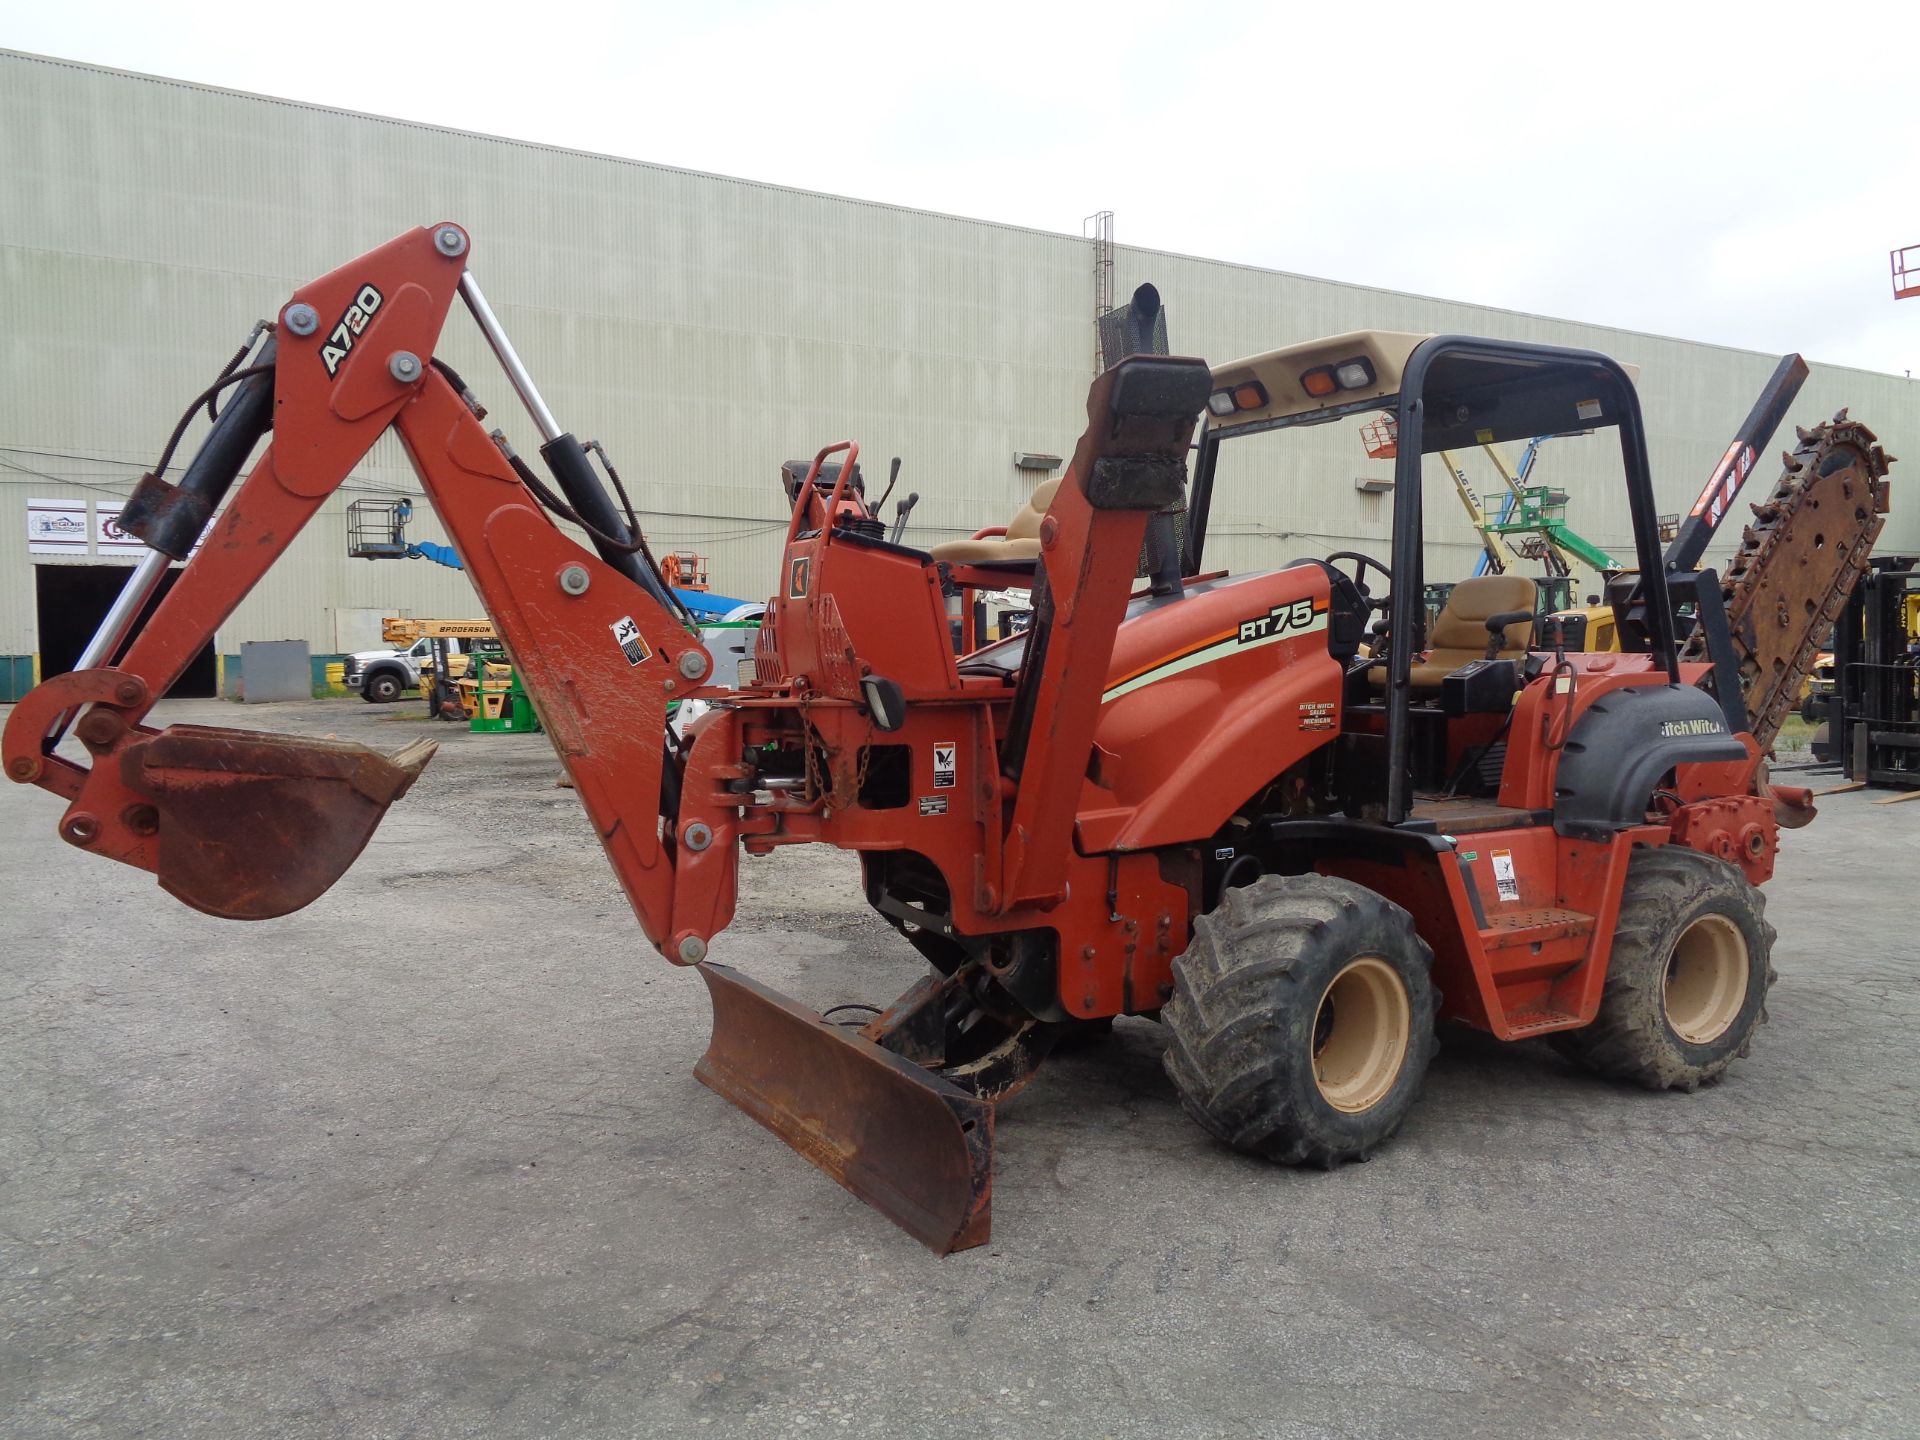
x=1687, y=982
x=1301, y=1023
x=381, y=689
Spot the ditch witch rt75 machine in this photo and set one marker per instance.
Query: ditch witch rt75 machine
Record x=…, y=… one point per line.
x=1197, y=798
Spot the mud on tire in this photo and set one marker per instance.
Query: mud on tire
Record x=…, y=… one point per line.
x=1302, y=1019
x=1687, y=981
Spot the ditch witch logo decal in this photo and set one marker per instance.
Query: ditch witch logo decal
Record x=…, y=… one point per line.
x=1282, y=622
x=1674, y=729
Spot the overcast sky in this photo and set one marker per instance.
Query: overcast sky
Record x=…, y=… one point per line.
x=1726, y=172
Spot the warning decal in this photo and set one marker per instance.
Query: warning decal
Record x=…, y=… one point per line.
x=627, y=636
x=1504, y=879
x=944, y=768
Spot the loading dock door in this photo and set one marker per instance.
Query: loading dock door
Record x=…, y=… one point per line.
x=74, y=599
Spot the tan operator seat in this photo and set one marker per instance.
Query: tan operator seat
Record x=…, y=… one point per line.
x=1460, y=633
x=1021, y=542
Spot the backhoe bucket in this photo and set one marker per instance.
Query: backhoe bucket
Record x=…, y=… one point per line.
x=915, y=1147
x=249, y=825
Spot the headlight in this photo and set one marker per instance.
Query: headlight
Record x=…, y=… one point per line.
x=1353, y=374
x=1247, y=395
x=1325, y=380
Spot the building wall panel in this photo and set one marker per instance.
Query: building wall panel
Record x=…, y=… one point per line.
x=703, y=328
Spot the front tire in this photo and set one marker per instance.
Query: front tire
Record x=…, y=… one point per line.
x=1302, y=1019
x=1687, y=981
x=381, y=689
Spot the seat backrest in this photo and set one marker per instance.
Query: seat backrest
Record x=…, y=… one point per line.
x=1462, y=623
x=1026, y=524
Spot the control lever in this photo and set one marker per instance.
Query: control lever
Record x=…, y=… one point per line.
x=900, y=513
x=1557, y=637
x=1497, y=629
x=893, y=475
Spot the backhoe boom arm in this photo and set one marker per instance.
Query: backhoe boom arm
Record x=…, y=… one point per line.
x=252, y=826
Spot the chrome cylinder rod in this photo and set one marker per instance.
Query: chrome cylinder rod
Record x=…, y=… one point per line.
x=508, y=357
x=126, y=608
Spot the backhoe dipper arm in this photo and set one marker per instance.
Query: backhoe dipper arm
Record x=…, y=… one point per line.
x=249, y=826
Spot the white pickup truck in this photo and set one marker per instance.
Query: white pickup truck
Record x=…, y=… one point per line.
x=381, y=676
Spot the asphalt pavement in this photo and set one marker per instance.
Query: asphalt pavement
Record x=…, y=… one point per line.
x=427, y=1159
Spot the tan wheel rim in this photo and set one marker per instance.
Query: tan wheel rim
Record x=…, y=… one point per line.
x=1706, y=979
x=1360, y=1035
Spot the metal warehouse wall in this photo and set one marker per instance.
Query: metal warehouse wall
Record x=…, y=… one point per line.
x=703, y=328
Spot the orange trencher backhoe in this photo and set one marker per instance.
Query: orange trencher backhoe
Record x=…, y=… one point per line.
x=1233, y=802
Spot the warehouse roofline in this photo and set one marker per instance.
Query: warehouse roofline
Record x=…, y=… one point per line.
x=61, y=62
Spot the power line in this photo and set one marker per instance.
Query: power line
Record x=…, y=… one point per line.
x=32, y=476
x=29, y=475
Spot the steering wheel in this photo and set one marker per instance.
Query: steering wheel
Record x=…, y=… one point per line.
x=1361, y=564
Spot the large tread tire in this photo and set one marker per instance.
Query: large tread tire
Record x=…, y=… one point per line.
x=1674, y=893
x=1246, y=1012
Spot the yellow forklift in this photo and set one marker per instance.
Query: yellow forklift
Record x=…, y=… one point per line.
x=475, y=683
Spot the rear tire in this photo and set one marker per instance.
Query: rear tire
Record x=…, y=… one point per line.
x=1302, y=1019
x=1687, y=981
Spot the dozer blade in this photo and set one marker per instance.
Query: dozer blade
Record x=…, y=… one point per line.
x=250, y=825
x=915, y=1147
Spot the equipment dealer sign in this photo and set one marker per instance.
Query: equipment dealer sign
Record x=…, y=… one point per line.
x=57, y=527
x=108, y=537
